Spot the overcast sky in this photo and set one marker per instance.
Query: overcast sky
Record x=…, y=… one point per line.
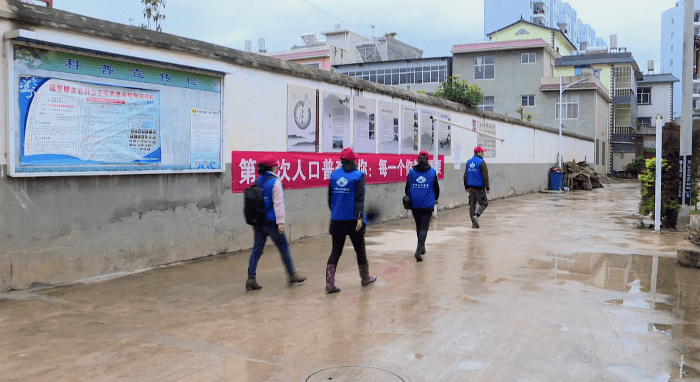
x=433, y=26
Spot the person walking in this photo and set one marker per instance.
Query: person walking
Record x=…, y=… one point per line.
x=346, y=199
x=423, y=188
x=273, y=194
x=476, y=183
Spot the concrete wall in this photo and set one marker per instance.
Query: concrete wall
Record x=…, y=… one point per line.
x=61, y=229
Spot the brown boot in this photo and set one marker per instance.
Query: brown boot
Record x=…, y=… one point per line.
x=364, y=275
x=295, y=278
x=330, y=279
x=251, y=284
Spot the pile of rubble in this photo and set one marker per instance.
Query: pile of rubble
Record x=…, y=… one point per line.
x=580, y=176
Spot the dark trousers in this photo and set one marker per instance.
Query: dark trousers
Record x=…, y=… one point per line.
x=477, y=194
x=422, y=217
x=358, y=242
x=280, y=240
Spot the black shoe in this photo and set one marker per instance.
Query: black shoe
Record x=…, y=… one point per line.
x=475, y=221
x=422, y=250
x=417, y=255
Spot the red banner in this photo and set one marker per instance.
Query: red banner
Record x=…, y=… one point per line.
x=309, y=170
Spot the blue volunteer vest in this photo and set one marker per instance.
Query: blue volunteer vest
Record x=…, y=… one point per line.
x=474, y=177
x=343, y=193
x=267, y=182
x=421, y=188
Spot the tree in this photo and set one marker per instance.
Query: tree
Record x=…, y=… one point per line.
x=152, y=13
x=460, y=91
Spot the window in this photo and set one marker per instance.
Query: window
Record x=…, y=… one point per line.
x=671, y=48
x=487, y=104
x=671, y=62
x=672, y=22
x=597, y=144
x=644, y=121
x=528, y=58
x=671, y=34
x=527, y=100
x=569, y=106
x=314, y=65
x=484, y=68
x=644, y=96
x=597, y=72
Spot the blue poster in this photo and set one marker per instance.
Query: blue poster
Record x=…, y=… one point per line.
x=76, y=123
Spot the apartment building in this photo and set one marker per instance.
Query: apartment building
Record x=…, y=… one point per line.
x=424, y=74
x=548, y=13
x=343, y=46
x=654, y=98
x=517, y=72
x=619, y=73
x=672, y=53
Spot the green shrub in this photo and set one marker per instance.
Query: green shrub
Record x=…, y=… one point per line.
x=637, y=167
x=460, y=91
x=648, y=178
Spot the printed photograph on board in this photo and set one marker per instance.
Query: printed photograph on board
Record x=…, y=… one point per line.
x=301, y=119
x=364, y=122
x=387, y=125
x=409, y=130
x=335, y=121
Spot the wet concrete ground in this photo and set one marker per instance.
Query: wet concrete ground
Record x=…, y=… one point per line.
x=553, y=287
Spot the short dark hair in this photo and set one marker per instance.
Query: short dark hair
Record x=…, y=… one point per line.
x=263, y=168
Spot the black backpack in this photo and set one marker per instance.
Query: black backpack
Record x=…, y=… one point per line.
x=254, y=205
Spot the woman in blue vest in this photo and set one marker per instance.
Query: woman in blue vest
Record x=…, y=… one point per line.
x=274, y=224
x=346, y=199
x=423, y=188
x=476, y=183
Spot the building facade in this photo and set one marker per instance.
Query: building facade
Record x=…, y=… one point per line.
x=654, y=98
x=343, y=47
x=517, y=73
x=672, y=53
x=423, y=74
x=619, y=73
x=548, y=13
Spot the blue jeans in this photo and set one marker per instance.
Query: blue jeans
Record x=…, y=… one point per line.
x=280, y=240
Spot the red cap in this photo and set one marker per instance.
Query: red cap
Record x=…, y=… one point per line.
x=269, y=160
x=479, y=149
x=427, y=154
x=348, y=154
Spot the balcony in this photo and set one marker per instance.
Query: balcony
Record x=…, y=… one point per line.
x=647, y=130
x=539, y=20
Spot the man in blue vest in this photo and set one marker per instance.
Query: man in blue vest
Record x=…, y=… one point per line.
x=476, y=183
x=346, y=199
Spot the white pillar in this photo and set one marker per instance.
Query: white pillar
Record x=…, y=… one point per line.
x=561, y=101
x=657, y=188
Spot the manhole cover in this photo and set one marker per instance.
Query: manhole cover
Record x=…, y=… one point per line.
x=355, y=374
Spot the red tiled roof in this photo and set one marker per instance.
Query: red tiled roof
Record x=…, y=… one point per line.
x=307, y=54
x=493, y=45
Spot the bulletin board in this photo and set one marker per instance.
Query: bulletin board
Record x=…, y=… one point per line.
x=78, y=112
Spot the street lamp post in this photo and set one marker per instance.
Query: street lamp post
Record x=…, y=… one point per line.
x=562, y=89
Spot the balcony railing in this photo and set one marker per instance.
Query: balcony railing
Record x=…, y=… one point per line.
x=647, y=130
x=624, y=92
x=622, y=130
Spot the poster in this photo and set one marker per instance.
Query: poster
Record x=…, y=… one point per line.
x=205, y=128
x=444, y=135
x=426, y=130
x=484, y=141
x=301, y=119
x=364, y=125
x=68, y=122
x=336, y=122
x=388, y=124
x=310, y=170
x=409, y=131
